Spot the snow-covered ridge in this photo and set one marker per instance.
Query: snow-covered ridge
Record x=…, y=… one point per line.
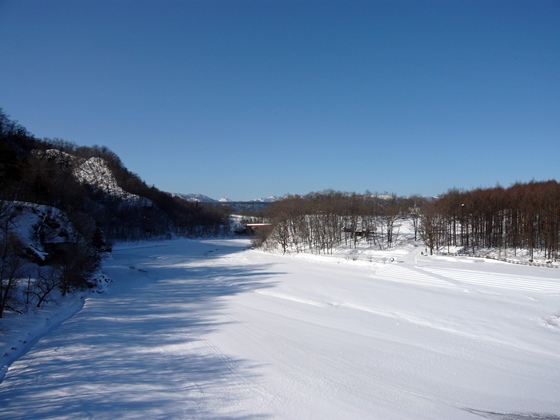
x=194, y=197
x=270, y=199
x=94, y=172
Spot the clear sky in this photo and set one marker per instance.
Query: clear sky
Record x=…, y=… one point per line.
x=248, y=99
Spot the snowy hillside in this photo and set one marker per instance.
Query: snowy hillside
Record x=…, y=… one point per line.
x=94, y=172
x=37, y=226
x=209, y=329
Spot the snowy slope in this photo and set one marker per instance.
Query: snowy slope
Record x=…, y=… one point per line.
x=36, y=225
x=94, y=172
x=208, y=329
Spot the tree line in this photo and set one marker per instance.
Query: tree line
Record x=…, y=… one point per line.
x=320, y=221
x=523, y=216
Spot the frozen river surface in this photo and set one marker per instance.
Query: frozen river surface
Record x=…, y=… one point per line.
x=210, y=330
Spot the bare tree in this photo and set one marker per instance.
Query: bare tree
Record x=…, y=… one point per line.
x=75, y=267
x=391, y=213
x=46, y=280
x=12, y=269
x=430, y=228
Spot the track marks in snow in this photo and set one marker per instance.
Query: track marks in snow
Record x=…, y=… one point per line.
x=240, y=382
x=399, y=317
x=450, y=277
x=513, y=416
x=503, y=281
x=408, y=274
x=295, y=299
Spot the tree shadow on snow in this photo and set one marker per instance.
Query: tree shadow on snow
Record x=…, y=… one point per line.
x=139, y=351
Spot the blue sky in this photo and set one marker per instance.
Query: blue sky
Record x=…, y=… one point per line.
x=247, y=99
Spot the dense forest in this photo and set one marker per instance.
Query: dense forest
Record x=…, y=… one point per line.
x=523, y=216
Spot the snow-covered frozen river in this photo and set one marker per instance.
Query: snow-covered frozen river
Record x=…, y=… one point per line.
x=209, y=329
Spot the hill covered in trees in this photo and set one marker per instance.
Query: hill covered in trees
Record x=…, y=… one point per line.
x=61, y=205
x=94, y=181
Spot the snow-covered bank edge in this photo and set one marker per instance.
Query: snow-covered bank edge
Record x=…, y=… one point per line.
x=19, y=332
x=23, y=331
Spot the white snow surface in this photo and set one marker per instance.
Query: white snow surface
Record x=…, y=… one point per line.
x=210, y=329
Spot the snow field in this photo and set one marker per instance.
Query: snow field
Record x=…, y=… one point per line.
x=209, y=329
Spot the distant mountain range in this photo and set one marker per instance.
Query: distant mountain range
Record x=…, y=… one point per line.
x=252, y=205
x=194, y=198
x=205, y=199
